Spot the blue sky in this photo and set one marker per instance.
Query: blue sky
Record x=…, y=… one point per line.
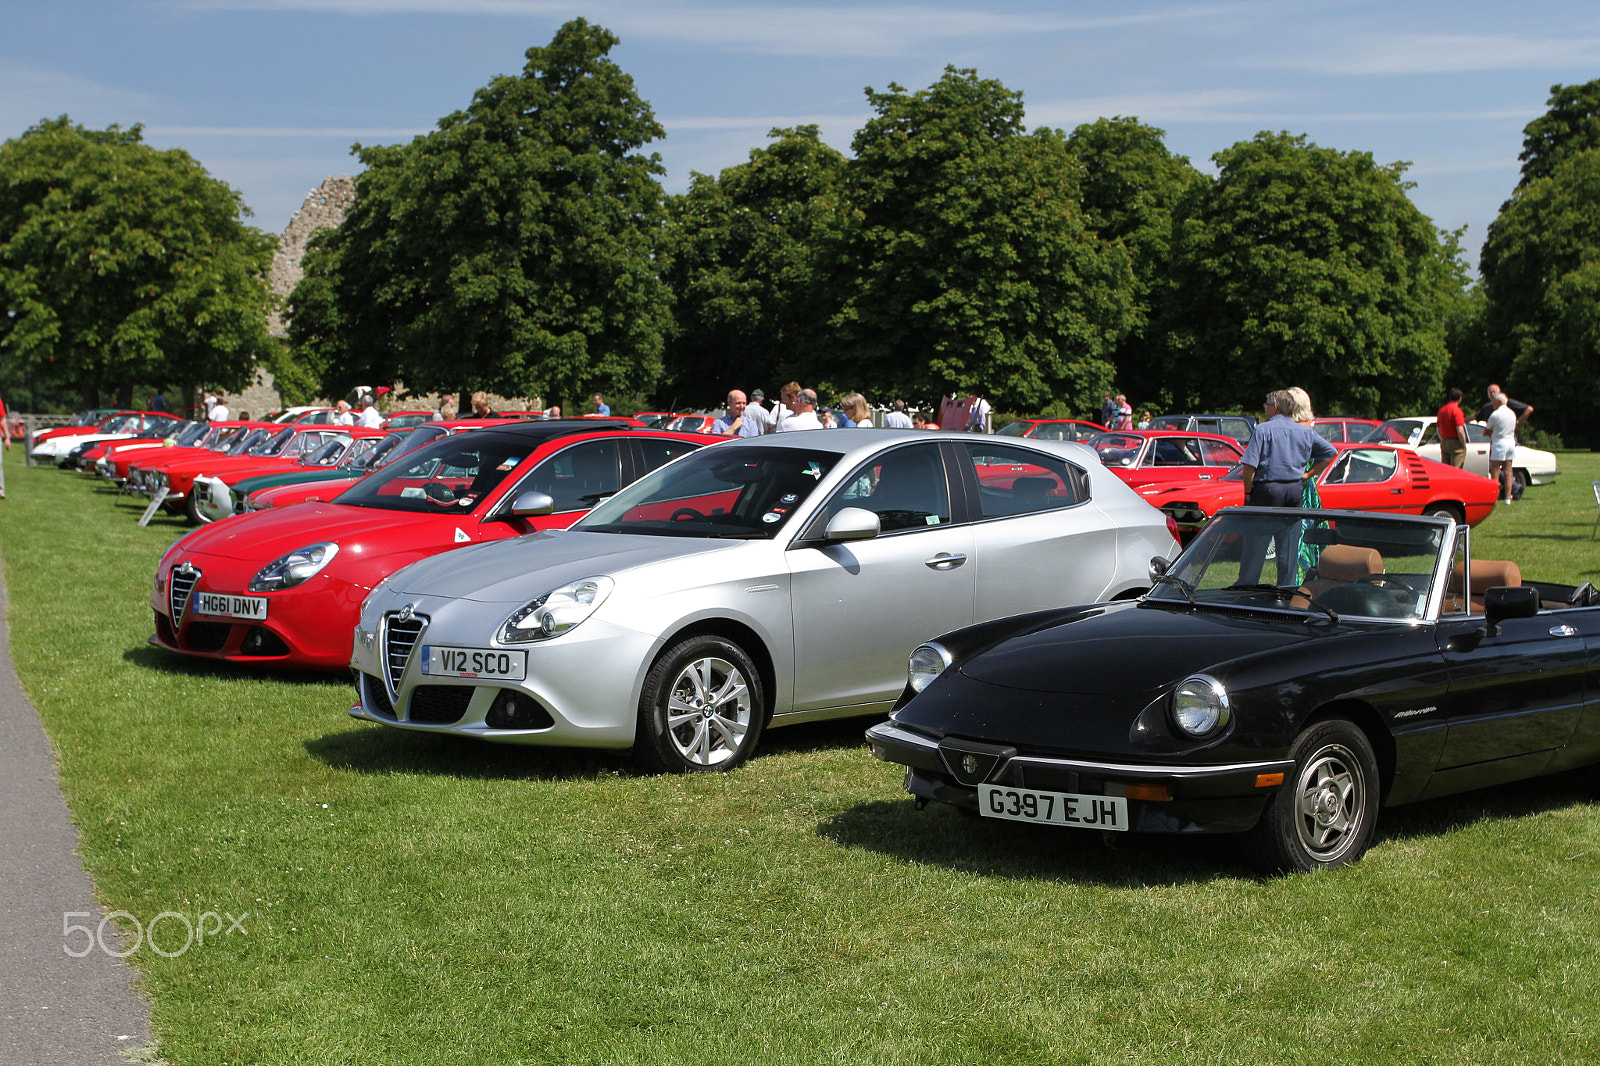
x=270, y=94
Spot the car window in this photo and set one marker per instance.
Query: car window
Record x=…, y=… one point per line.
x=1476, y=434
x=1170, y=422
x=906, y=488
x=1117, y=449
x=1015, y=480
x=1237, y=428
x=733, y=490
x=579, y=477
x=656, y=452
x=1174, y=451
x=1330, y=431
x=1014, y=429
x=1363, y=466
x=452, y=474
x=1219, y=453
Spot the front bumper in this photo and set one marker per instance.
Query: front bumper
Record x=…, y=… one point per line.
x=1205, y=798
x=580, y=689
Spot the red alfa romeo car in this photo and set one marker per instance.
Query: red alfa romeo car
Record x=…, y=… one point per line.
x=284, y=587
x=1365, y=477
x=1050, y=429
x=1145, y=457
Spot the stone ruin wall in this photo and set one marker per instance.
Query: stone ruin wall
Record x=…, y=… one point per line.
x=324, y=208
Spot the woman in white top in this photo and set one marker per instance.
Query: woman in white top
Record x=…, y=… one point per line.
x=855, y=405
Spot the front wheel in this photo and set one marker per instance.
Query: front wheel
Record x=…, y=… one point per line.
x=1324, y=813
x=701, y=709
x=1443, y=510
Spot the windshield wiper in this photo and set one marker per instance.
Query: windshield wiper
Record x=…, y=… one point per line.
x=1180, y=584
x=1287, y=593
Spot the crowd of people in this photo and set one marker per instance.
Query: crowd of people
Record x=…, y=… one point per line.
x=798, y=408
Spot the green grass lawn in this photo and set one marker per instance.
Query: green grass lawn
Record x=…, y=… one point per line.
x=432, y=900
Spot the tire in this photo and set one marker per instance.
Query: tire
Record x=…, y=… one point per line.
x=1324, y=814
x=1444, y=510
x=191, y=508
x=702, y=708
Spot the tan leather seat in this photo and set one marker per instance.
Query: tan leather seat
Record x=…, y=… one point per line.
x=1339, y=564
x=1486, y=574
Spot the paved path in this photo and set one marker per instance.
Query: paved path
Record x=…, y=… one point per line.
x=55, y=1010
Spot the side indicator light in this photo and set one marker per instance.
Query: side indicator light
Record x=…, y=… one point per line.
x=1269, y=780
x=1149, y=793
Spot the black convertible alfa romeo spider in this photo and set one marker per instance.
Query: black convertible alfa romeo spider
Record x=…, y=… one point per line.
x=1381, y=665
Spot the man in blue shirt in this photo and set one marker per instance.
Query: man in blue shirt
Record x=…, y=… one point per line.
x=600, y=406
x=1275, y=462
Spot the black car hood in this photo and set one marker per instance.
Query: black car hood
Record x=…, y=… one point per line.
x=1137, y=649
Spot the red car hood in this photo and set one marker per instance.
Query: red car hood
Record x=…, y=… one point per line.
x=262, y=536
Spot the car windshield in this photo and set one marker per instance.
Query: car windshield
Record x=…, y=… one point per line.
x=449, y=475
x=1117, y=449
x=328, y=454
x=1395, y=431
x=1015, y=429
x=272, y=445
x=370, y=453
x=730, y=490
x=185, y=434
x=245, y=442
x=1333, y=563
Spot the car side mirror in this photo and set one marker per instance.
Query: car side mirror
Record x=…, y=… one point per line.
x=1158, y=566
x=532, y=504
x=853, y=523
x=1509, y=601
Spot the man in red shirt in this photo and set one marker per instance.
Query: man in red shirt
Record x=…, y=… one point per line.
x=1453, y=431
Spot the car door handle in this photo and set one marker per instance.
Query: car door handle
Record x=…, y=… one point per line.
x=1563, y=630
x=945, y=561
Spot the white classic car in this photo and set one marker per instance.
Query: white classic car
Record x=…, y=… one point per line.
x=1529, y=466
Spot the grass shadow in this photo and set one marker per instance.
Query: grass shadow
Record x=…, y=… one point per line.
x=941, y=836
x=160, y=660
x=376, y=749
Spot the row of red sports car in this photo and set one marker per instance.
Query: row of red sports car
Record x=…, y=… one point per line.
x=265, y=583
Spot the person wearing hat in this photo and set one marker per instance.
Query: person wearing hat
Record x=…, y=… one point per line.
x=757, y=419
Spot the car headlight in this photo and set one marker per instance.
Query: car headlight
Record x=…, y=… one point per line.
x=925, y=664
x=556, y=612
x=1200, y=706
x=298, y=566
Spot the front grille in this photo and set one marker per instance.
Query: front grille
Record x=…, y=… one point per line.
x=400, y=636
x=207, y=636
x=183, y=580
x=438, y=704
x=374, y=698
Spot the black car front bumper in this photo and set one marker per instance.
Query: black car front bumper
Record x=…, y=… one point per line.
x=1216, y=798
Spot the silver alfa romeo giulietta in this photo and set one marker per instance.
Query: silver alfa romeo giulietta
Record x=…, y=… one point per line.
x=758, y=582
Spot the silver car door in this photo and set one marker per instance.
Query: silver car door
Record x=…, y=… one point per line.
x=1040, y=540
x=861, y=606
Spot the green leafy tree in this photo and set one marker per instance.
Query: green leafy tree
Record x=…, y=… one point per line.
x=1133, y=191
x=965, y=263
x=1541, y=275
x=747, y=253
x=511, y=249
x=1308, y=266
x=124, y=265
x=1570, y=124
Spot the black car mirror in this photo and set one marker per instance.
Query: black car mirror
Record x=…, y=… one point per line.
x=853, y=523
x=532, y=504
x=1509, y=601
x=1158, y=565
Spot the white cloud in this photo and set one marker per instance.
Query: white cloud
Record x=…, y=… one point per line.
x=1442, y=54
x=270, y=132
x=1232, y=106
x=29, y=94
x=785, y=29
